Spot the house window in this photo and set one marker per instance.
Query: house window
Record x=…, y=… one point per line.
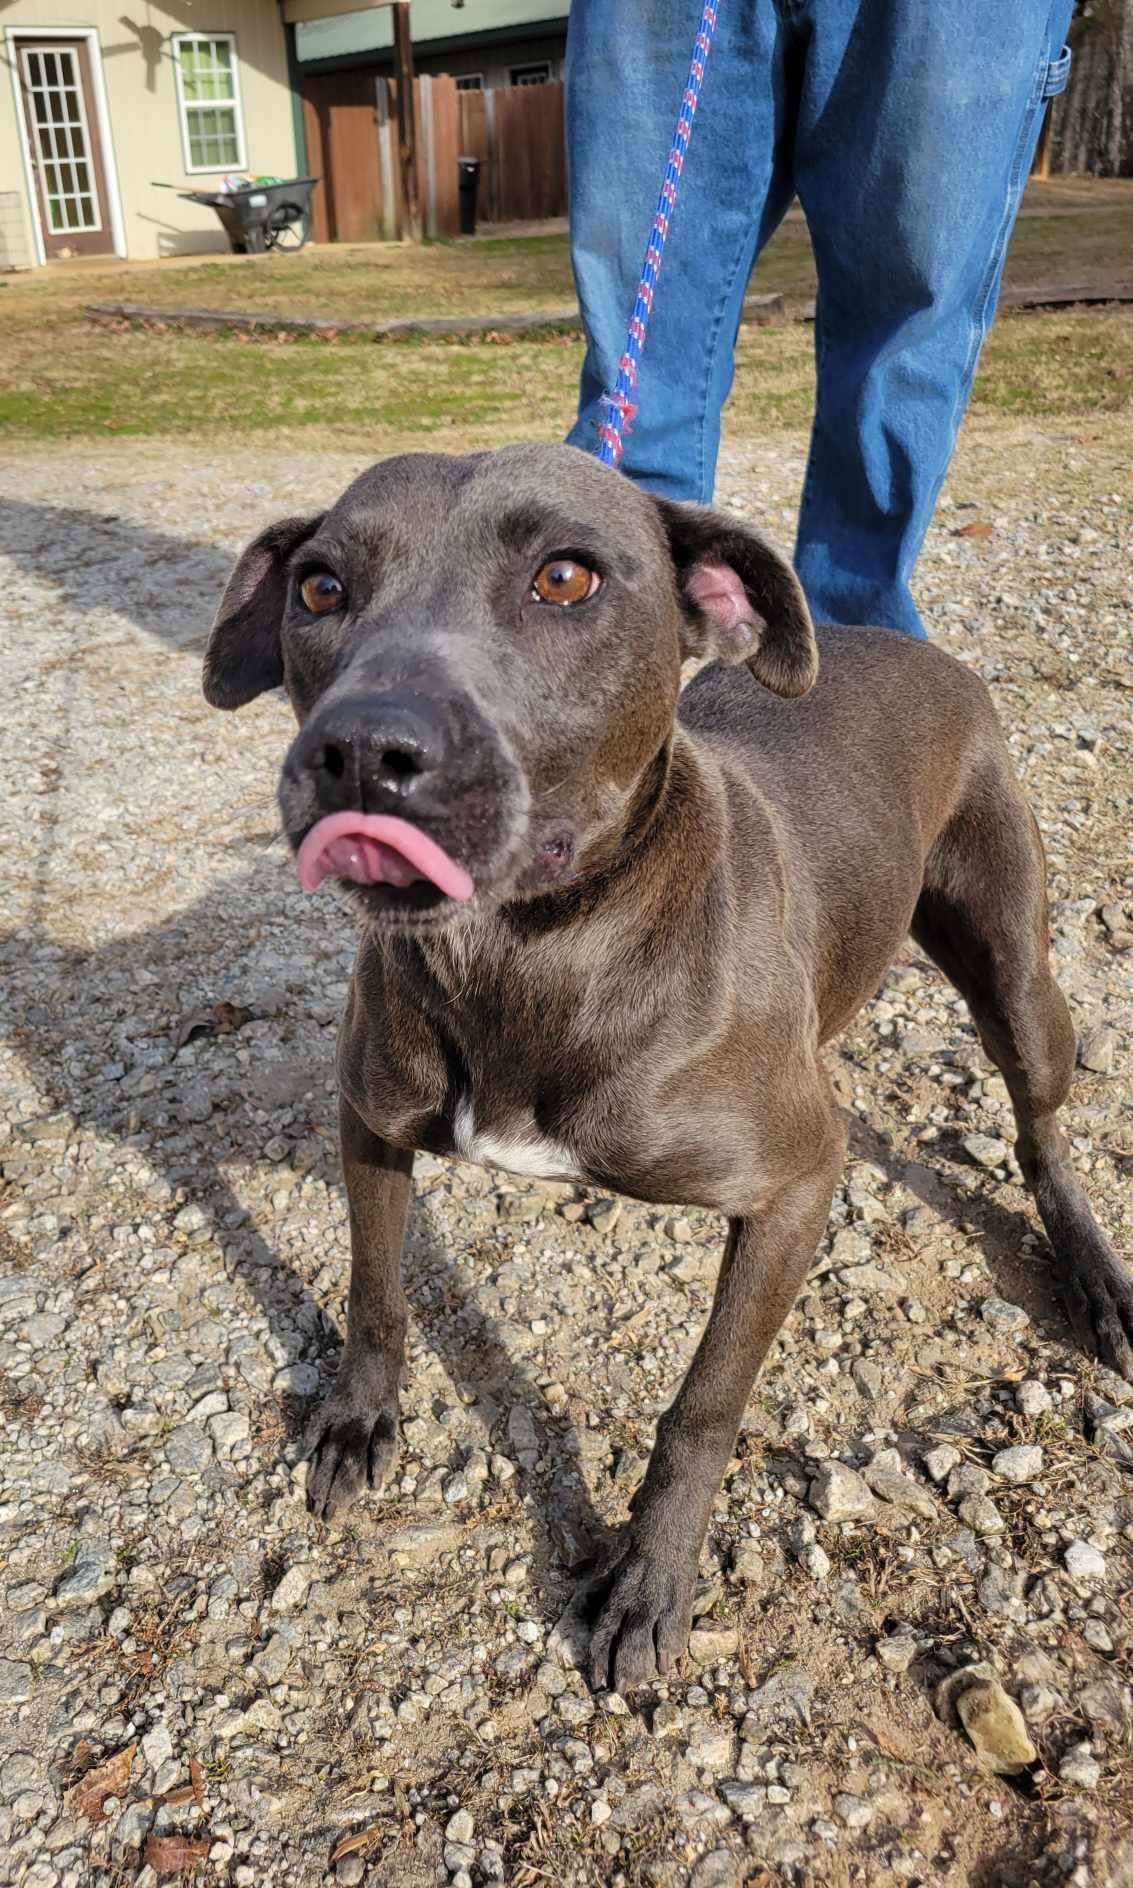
x=208, y=95
x=470, y=82
x=531, y=75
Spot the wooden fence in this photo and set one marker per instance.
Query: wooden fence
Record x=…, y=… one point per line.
x=350, y=119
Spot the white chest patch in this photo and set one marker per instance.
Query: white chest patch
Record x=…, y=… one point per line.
x=522, y=1150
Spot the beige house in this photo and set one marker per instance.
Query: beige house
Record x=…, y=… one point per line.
x=103, y=98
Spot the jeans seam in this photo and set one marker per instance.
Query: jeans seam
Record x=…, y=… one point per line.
x=710, y=363
x=1006, y=223
x=820, y=347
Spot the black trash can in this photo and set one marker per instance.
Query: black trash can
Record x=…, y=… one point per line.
x=468, y=169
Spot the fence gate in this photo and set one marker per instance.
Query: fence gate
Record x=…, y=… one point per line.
x=350, y=119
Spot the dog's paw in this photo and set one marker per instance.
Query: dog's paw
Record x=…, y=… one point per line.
x=348, y=1445
x=641, y=1611
x=1099, y=1300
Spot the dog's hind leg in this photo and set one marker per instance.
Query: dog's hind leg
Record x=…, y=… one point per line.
x=982, y=916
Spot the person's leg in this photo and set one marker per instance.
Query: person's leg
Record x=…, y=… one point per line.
x=626, y=70
x=915, y=133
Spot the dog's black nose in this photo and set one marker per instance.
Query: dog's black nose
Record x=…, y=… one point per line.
x=373, y=754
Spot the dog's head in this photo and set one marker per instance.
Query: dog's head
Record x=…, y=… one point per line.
x=484, y=657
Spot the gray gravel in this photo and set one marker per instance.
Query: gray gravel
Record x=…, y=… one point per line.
x=929, y=1479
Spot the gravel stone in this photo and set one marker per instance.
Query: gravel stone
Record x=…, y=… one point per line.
x=710, y=1747
x=92, y=1574
x=901, y=1491
x=1080, y=1767
x=229, y=1431
x=1097, y=1050
x=157, y=1745
x=998, y=1315
x=188, y=1451
x=292, y=1589
x=854, y=1811
x=720, y=1869
x=839, y=1493
x=898, y=1649
x=994, y=1724
x=1084, y=1561
x=708, y=1645
x=746, y=1800
x=1018, y=1465
x=15, y=1681
x=985, y=1149
x=1033, y=1398
x=940, y=1461
x=981, y=1515
x=748, y=1563
x=271, y=1664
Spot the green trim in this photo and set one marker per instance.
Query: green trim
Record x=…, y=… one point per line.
x=294, y=74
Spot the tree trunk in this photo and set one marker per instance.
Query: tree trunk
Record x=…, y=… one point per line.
x=1090, y=131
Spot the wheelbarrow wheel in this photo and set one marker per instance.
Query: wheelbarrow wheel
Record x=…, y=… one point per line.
x=287, y=227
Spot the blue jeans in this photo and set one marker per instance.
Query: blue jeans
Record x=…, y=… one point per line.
x=907, y=128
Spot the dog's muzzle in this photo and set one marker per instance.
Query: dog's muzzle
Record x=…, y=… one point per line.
x=413, y=800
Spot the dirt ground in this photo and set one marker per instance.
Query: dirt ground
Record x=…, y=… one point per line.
x=197, y=1676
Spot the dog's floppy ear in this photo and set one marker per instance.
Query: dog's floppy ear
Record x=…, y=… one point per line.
x=243, y=656
x=743, y=602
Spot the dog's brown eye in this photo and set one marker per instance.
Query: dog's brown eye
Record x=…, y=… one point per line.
x=322, y=593
x=564, y=580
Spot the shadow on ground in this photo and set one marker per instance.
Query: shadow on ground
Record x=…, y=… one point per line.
x=191, y=1161
x=167, y=586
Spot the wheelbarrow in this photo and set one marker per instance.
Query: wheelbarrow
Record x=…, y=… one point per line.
x=260, y=216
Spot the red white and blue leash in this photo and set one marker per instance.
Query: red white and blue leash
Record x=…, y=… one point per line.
x=619, y=402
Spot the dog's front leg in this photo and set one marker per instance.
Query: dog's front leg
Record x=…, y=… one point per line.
x=351, y=1440
x=645, y=1599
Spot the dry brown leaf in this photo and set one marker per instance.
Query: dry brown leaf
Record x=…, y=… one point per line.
x=87, y=1795
x=218, y=1019
x=977, y=529
x=168, y=1855
x=80, y=1759
x=361, y=1839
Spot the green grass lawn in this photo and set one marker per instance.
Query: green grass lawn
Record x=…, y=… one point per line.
x=496, y=275
x=62, y=376
x=104, y=382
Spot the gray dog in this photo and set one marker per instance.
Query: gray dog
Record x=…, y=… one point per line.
x=606, y=926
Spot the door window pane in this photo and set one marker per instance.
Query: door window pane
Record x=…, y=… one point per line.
x=58, y=132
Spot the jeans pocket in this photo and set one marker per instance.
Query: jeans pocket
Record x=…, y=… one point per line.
x=1056, y=75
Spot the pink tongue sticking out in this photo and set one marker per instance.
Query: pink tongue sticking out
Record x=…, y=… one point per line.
x=376, y=849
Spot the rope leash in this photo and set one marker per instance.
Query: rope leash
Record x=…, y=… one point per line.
x=619, y=404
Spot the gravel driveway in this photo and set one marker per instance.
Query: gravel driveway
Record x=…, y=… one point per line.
x=193, y=1672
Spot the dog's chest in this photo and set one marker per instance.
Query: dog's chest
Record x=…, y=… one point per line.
x=517, y=1147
